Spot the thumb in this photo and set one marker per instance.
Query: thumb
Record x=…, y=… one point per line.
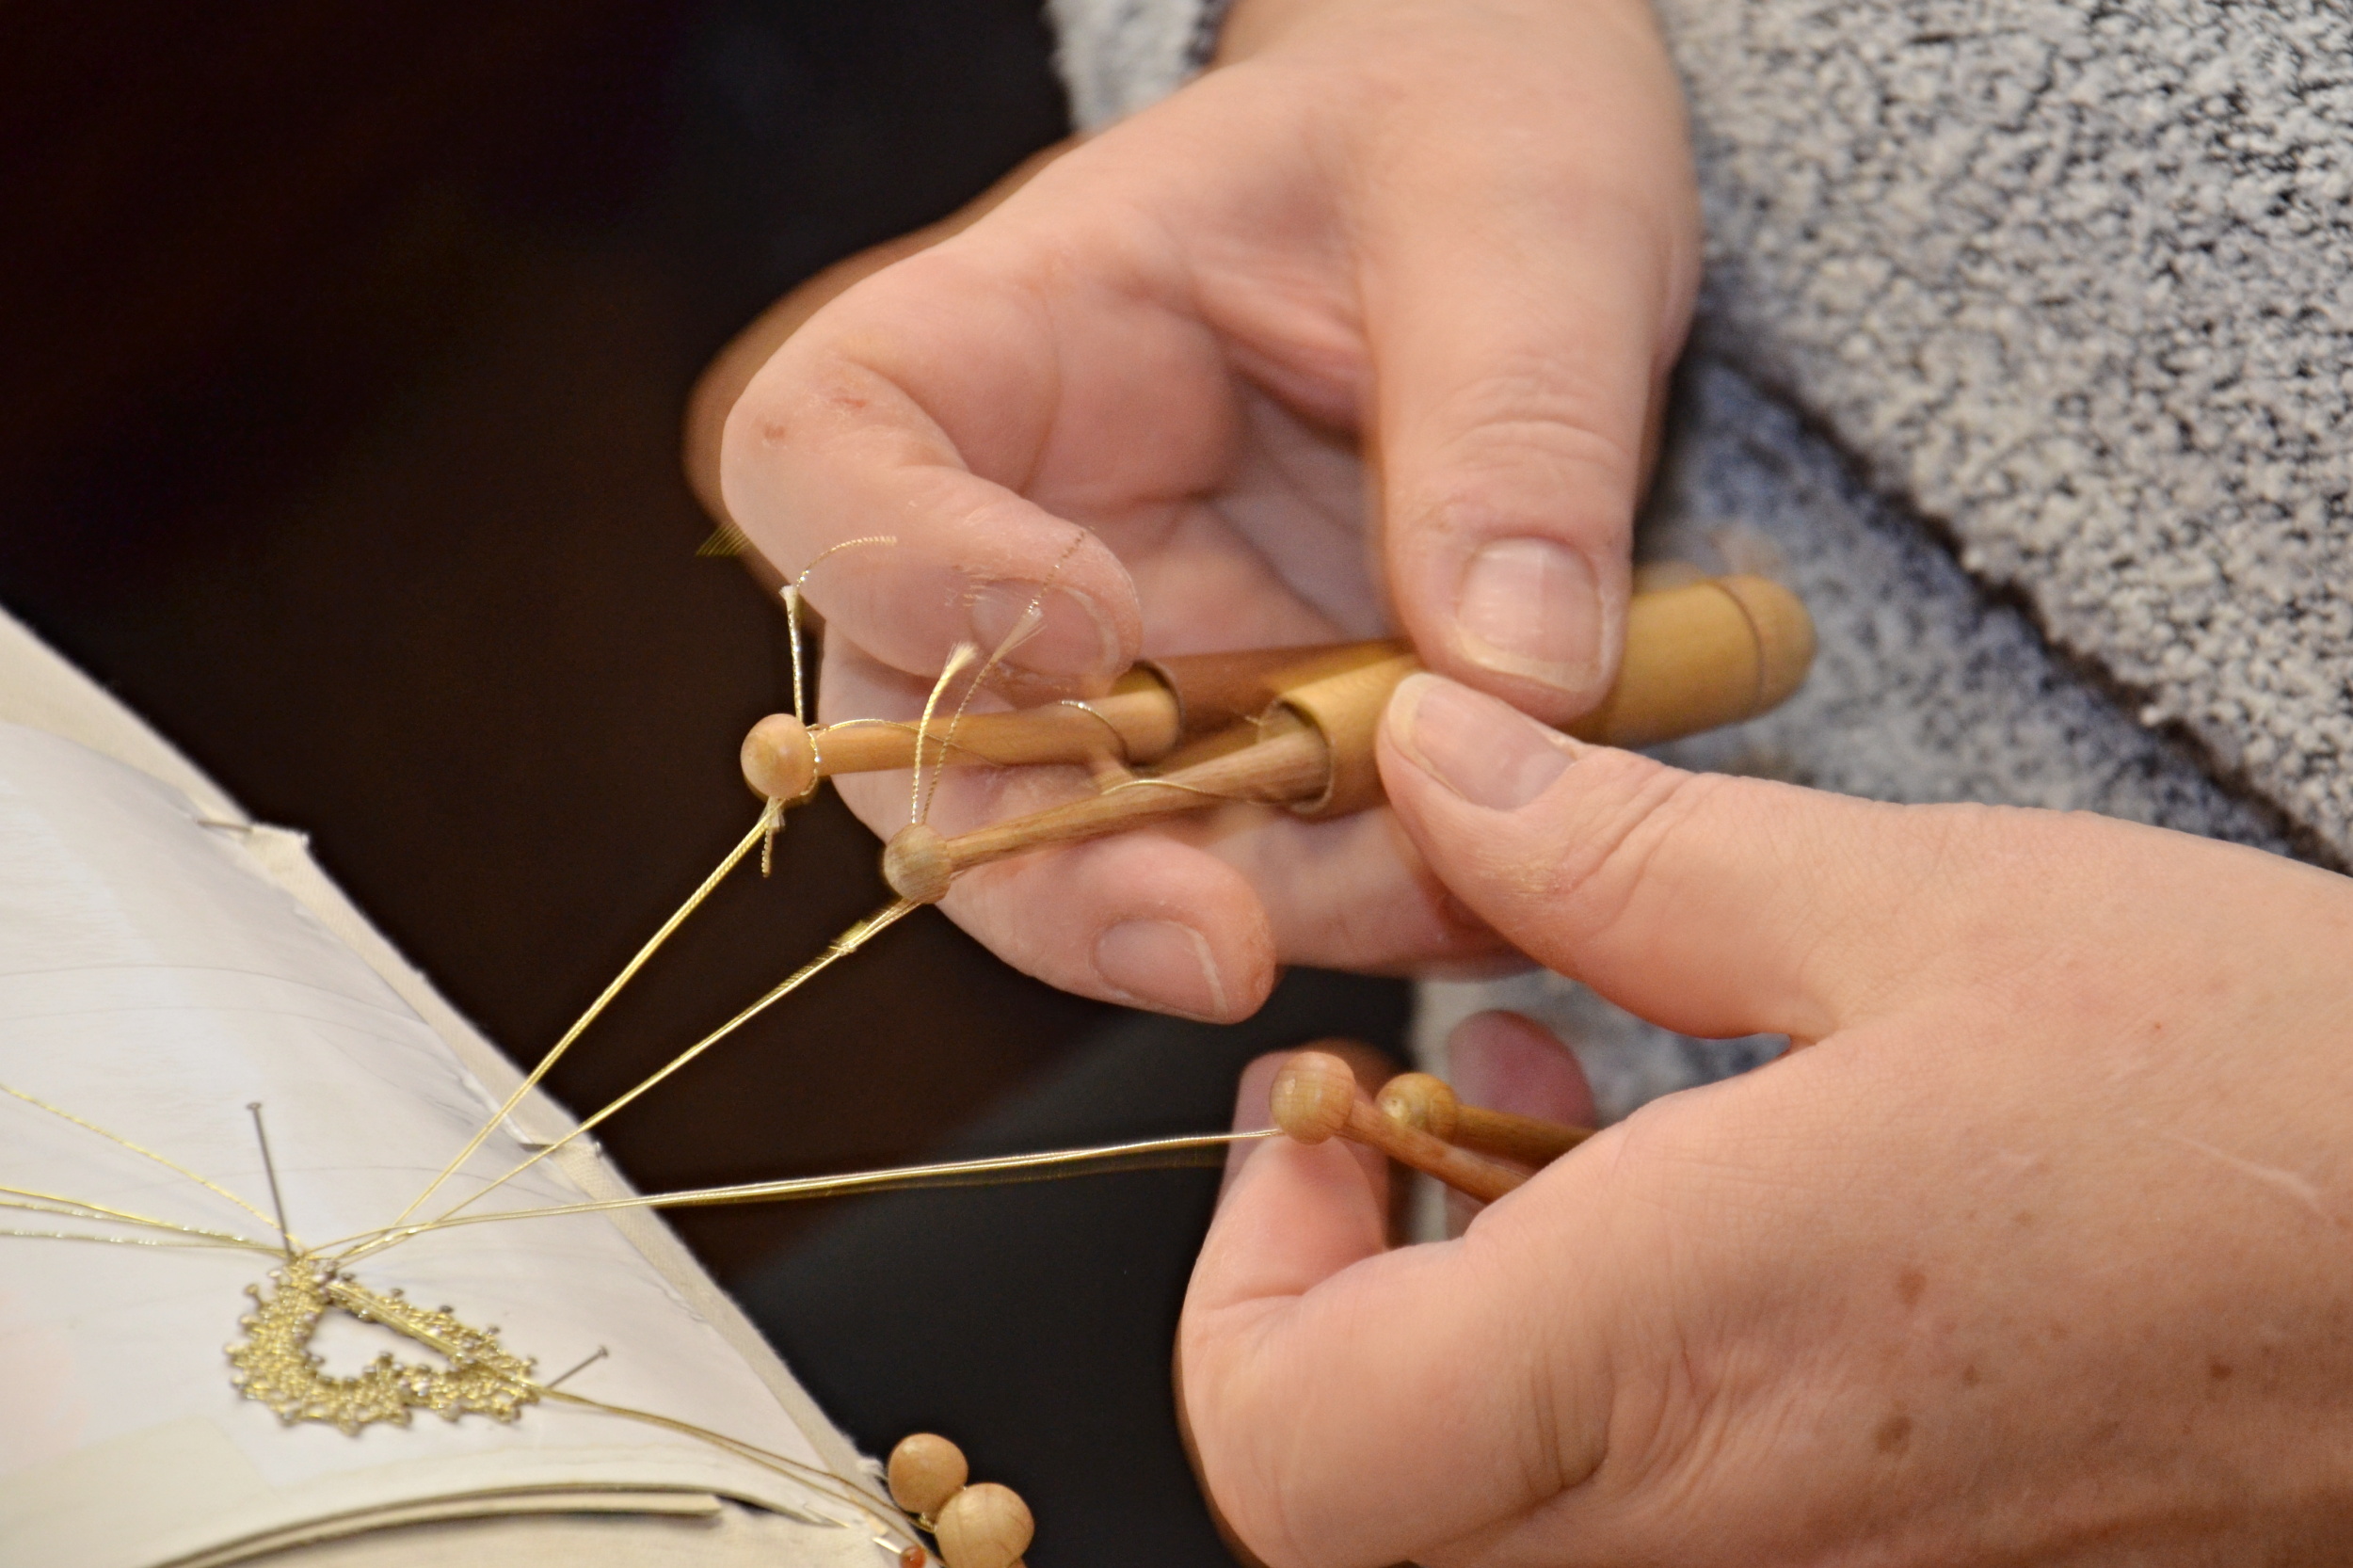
x=1522, y=358
x=1349, y=1404
x=1711, y=904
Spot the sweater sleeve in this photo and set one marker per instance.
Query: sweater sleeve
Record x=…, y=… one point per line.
x=1117, y=56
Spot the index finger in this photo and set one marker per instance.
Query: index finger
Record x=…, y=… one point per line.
x=979, y=404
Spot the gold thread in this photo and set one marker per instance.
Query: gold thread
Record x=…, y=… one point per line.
x=917, y=802
x=81, y=1209
x=1024, y=626
x=629, y=971
x=174, y=1165
x=848, y=942
x=1195, y=1150
x=792, y=594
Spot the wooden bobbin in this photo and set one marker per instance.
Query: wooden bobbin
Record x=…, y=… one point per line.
x=1420, y=1100
x=1698, y=656
x=1315, y=1099
x=925, y=1470
x=986, y=1526
x=1746, y=644
x=920, y=862
x=779, y=760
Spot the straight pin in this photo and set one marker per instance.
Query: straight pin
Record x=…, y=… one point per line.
x=600, y=1353
x=277, y=1199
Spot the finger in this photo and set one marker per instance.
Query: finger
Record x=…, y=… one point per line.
x=1520, y=348
x=1711, y=904
x=847, y=434
x=1509, y=1061
x=1259, y=887
x=1355, y=1405
x=731, y=368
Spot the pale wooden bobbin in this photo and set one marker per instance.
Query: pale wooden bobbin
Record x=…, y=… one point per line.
x=986, y=1526
x=925, y=1470
x=1420, y=1100
x=1315, y=1099
x=1153, y=707
x=1696, y=656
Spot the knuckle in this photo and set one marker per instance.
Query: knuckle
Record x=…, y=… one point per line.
x=1620, y=823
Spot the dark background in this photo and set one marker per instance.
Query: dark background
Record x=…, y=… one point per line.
x=345, y=349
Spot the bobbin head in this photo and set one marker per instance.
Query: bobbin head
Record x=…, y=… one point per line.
x=1420, y=1101
x=925, y=1471
x=917, y=865
x=986, y=1525
x=1313, y=1094
x=780, y=759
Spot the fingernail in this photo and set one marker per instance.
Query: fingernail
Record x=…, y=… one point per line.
x=1162, y=964
x=1066, y=638
x=1532, y=608
x=1488, y=752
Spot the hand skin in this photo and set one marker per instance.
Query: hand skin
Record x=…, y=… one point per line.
x=2034, y=1251
x=1460, y=234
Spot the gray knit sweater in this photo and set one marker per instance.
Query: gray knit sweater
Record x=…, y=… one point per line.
x=2024, y=357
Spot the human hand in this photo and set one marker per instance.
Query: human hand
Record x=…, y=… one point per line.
x=2034, y=1250
x=1135, y=393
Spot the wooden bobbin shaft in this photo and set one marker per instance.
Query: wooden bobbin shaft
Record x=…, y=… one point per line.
x=1143, y=717
x=1427, y=1103
x=1138, y=722
x=920, y=862
x=1315, y=1099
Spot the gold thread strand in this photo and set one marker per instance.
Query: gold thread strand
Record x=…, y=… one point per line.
x=791, y=593
x=1024, y=626
x=85, y=1209
x=826, y=1483
x=122, y=1241
x=1194, y=1150
x=168, y=1164
x=768, y=813
x=961, y=655
x=843, y=946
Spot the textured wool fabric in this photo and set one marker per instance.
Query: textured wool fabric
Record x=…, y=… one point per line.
x=1118, y=56
x=2023, y=357
x=2077, y=282
x=1924, y=690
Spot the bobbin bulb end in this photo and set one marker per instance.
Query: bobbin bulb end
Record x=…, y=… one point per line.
x=780, y=759
x=925, y=1471
x=917, y=865
x=1784, y=636
x=986, y=1525
x=1420, y=1101
x=1313, y=1096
